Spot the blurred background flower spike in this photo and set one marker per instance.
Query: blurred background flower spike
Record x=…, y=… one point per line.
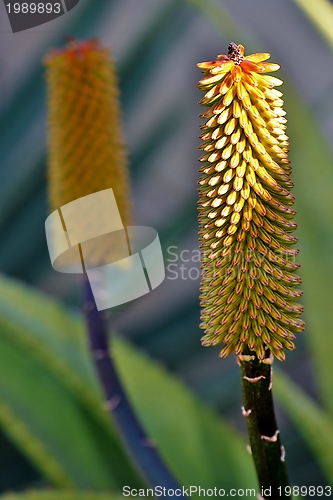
x=87, y=155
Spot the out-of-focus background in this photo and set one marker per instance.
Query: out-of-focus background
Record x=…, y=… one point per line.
x=156, y=45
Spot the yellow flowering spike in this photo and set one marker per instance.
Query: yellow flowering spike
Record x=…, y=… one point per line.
x=86, y=147
x=248, y=287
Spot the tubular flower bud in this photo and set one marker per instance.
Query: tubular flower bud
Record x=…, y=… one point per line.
x=86, y=147
x=248, y=288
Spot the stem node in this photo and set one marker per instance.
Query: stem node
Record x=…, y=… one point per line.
x=267, y=451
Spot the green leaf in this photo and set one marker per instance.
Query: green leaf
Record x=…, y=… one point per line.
x=49, y=401
x=63, y=495
x=313, y=177
x=197, y=445
x=320, y=13
x=314, y=423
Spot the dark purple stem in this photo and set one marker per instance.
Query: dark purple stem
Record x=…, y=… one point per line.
x=139, y=447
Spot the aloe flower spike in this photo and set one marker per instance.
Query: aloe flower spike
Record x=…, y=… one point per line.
x=249, y=288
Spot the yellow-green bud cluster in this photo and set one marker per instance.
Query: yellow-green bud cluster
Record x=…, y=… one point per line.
x=248, y=288
x=86, y=147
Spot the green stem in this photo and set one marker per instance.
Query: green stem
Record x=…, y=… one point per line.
x=139, y=446
x=267, y=451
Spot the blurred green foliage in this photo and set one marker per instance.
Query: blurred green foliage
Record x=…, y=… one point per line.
x=43, y=355
x=59, y=495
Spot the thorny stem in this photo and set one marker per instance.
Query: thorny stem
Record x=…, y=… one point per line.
x=267, y=451
x=140, y=448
